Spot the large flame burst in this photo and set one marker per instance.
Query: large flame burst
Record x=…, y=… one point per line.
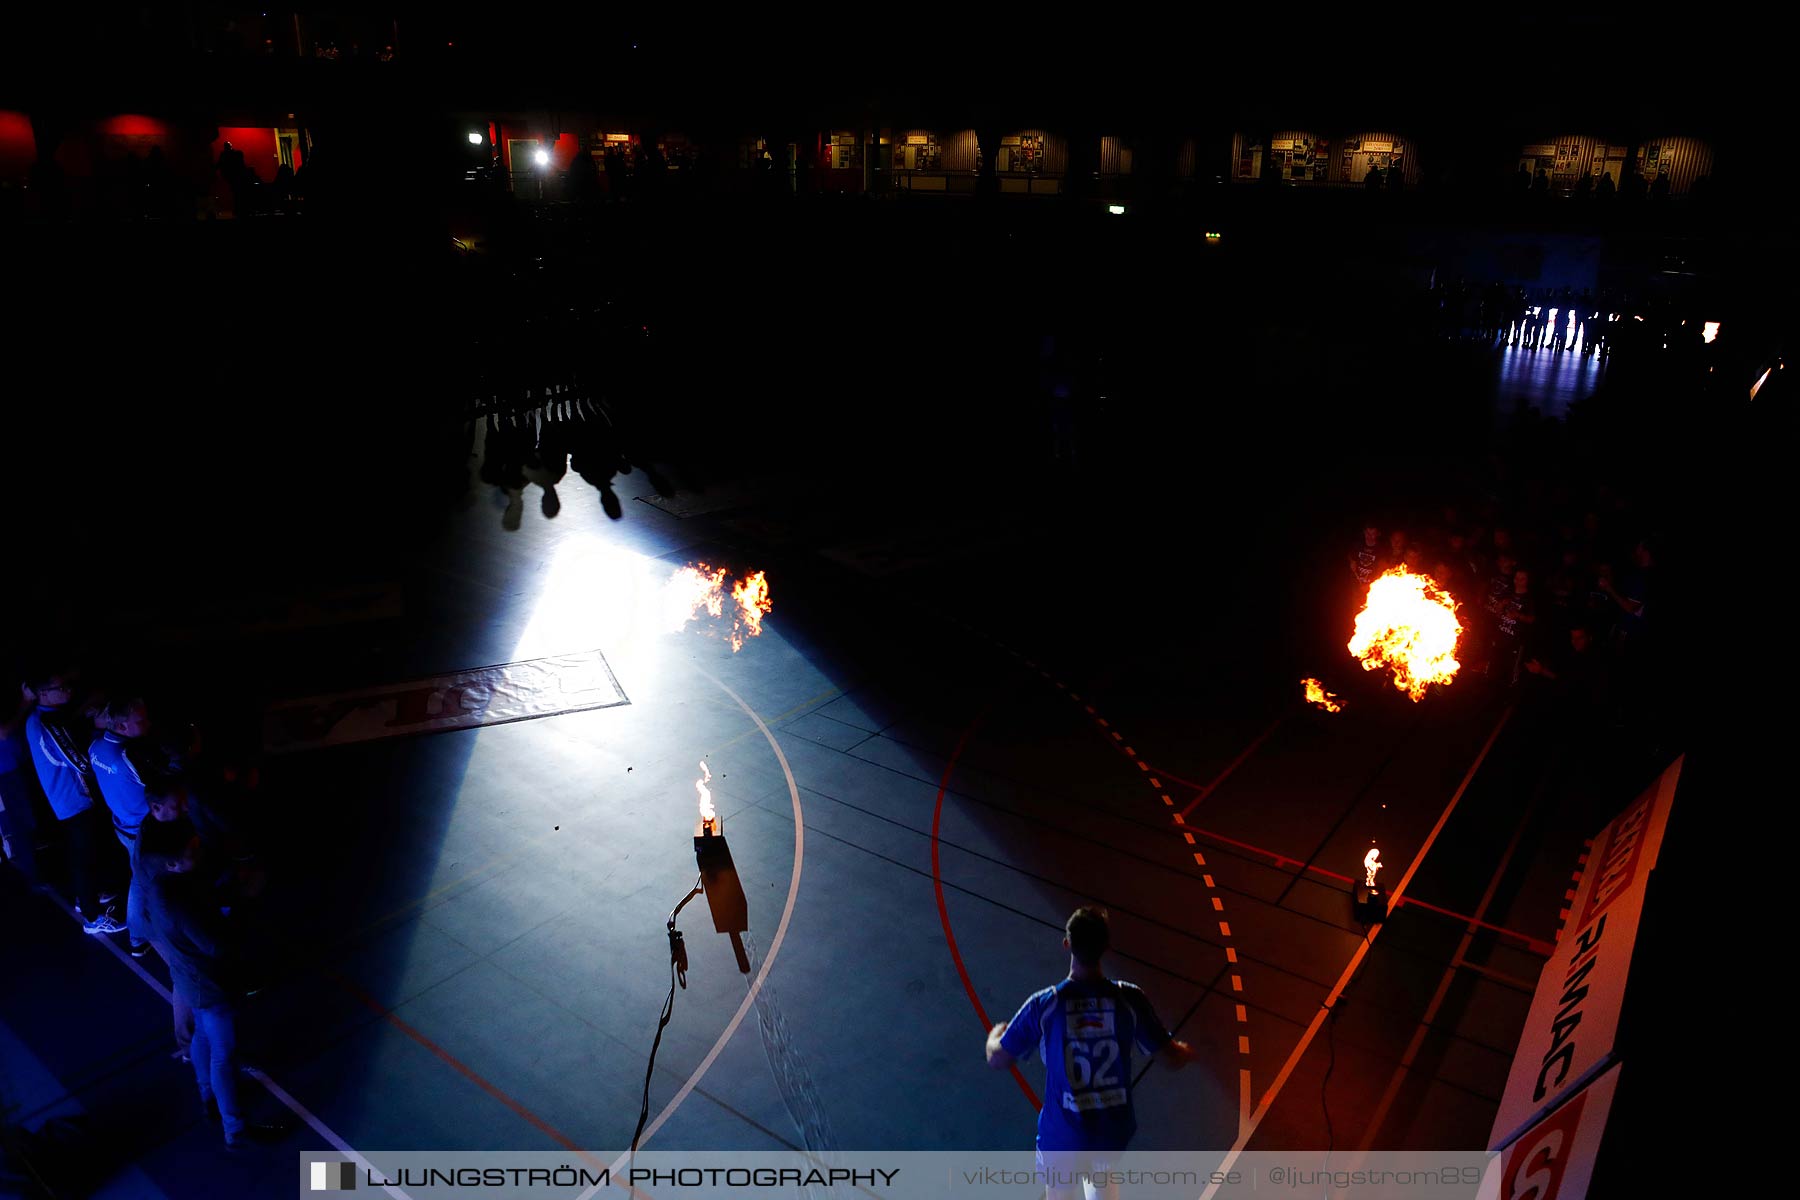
x=1408, y=625
x=695, y=587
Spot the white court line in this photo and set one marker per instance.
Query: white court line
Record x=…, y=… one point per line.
x=768, y=961
x=274, y=1089
x=1417, y=1041
x=323, y=1130
x=1362, y=950
x=718, y=1046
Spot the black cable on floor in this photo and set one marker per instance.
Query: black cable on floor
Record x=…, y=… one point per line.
x=668, y=1010
x=678, y=967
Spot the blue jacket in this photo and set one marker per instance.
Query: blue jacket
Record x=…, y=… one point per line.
x=59, y=739
x=121, y=786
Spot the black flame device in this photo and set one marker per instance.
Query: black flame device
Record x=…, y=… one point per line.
x=1371, y=904
x=719, y=880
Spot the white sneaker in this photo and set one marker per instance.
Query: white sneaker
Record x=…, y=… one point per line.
x=104, y=923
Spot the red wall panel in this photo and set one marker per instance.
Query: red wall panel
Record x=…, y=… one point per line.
x=18, y=148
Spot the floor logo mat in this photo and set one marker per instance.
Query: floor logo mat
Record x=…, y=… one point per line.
x=538, y=687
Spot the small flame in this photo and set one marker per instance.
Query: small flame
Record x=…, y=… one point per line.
x=1371, y=864
x=708, y=814
x=699, y=587
x=1316, y=694
x=1408, y=625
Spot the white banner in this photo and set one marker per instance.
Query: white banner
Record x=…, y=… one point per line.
x=1554, y=1159
x=538, y=687
x=1574, y=1019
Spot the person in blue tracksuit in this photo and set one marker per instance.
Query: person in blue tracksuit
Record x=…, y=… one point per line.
x=1085, y=1029
x=58, y=734
x=121, y=785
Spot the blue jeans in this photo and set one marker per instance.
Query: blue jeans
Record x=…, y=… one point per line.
x=184, y=1016
x=214, y=1052
x=137, y=917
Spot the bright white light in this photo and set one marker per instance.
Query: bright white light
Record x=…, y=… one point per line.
x=593, y=591
x=541, y=158
x=475, y=139
x=1709, y=331
x=1117, y=210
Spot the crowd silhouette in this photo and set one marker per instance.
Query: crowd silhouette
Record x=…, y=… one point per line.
x=1563, y=593
x=535, y=436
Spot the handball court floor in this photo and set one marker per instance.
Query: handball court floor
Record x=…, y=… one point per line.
x=922, y=768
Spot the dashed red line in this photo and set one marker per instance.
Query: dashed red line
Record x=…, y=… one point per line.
x=1154, y=777
x=1201, y=793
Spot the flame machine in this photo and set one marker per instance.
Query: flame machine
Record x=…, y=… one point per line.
x=724, y=892
x=1371, y=905
x=730, y=910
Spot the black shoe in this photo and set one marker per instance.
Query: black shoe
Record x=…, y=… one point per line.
x=255, y=1133
x=139, y=949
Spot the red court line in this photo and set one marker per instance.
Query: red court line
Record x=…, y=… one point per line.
x=1162, y=773
x=461, y=1068
x=937, y=885
x=1203, y=792
x=1283, y=861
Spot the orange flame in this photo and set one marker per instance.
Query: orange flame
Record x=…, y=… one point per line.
x=698, y=587
x=1316, y=694
x=752, y=596
x=708, y=814
x=1408, y=625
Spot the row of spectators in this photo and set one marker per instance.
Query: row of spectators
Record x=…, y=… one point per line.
x=78, y=765
x=1561, y=319
x=1557, y=607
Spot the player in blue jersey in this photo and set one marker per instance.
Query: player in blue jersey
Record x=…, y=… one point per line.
x=1085, y=1029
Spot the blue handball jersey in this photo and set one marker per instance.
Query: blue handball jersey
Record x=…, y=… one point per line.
x=1085, y=1031
x=121, y=786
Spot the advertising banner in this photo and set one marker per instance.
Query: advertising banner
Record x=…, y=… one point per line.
x=1554, y=1159
x=1573, y=1025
